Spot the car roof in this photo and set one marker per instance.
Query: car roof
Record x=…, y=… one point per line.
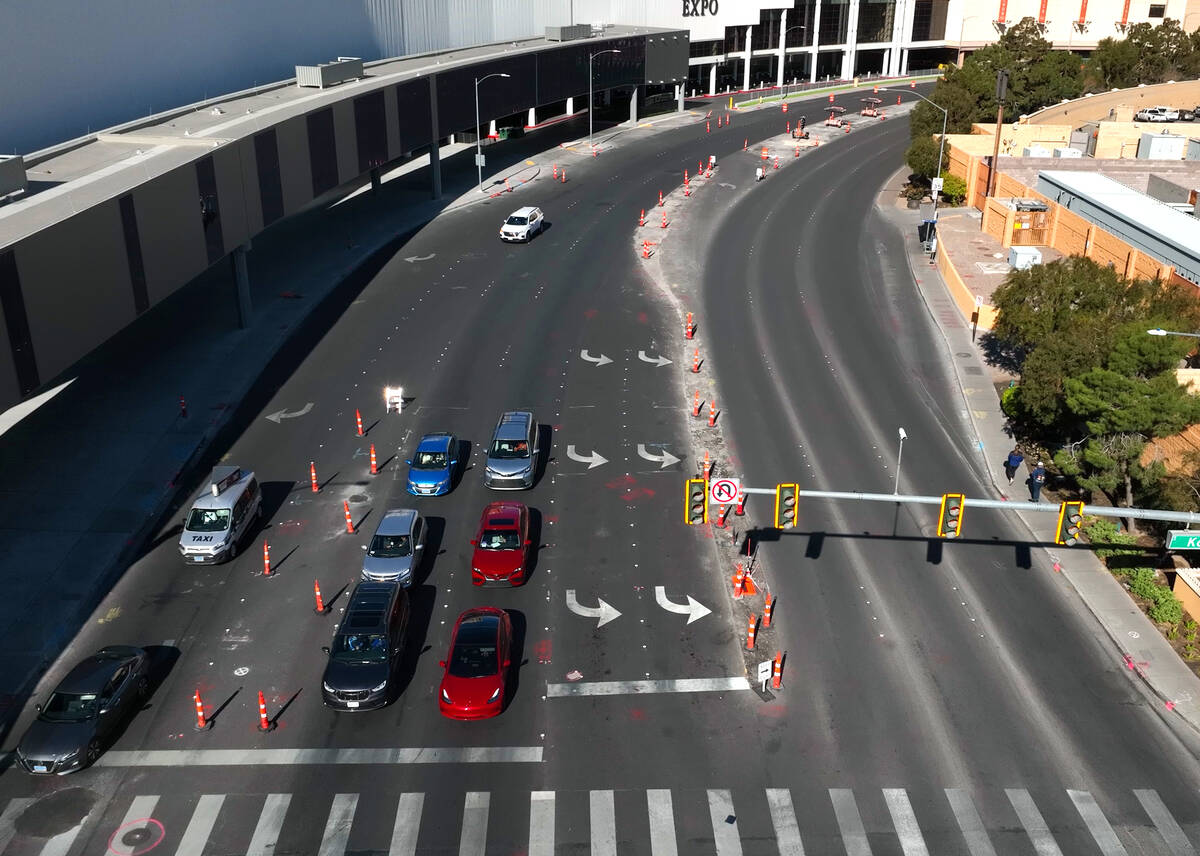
x=523, y=212
x=434, y=442
x=90, y=675
x=501, y=511
x=512, y=425
x=227, y=497
x=396, y=521
x=476, y=626
x=368, y=606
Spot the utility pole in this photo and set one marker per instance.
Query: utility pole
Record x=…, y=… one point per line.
x=1001, y=94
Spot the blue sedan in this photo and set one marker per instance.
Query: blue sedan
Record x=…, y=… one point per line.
x=431, y=469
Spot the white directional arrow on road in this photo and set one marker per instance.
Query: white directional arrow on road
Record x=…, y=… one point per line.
x=600, y=360
x=604, y=611
x=664, y=460
x=693, y=609
x=411, y=259
x=283, y=414
x=658, y=361
x=593, y=460
x=727, y=184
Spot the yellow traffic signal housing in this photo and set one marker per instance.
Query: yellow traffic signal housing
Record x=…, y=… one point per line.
x=1070, y=520
x=950, y=517
x=786, y=496
x=695, y=502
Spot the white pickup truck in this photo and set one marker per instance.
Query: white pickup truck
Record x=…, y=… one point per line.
x=1156, y=114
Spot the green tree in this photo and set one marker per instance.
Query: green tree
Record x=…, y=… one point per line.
x=922, y=156
x=1113, y=64
x=954, y=189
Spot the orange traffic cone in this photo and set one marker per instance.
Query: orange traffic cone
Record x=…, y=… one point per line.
x=751, y=631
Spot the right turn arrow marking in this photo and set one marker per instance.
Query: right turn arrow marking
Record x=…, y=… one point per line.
x=604, y=611
x=664, y=460
x=693, y=609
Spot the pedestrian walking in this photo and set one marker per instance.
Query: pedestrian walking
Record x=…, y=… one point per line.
x=1037, y=478
x=1013, y=463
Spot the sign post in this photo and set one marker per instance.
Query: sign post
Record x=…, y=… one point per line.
x=764, y=674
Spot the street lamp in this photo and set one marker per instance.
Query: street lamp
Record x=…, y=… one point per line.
x=1159, y=331
x=478, y=152
x=783, y=59
x=591, y=106
x=942, y=144
x=961, y=25
x=899, y=457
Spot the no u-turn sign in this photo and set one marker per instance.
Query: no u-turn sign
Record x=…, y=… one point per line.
x=725, y=490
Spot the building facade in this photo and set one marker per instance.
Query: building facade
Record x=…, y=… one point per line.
x=71, y=68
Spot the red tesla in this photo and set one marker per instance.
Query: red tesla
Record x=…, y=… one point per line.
x=477, y=665
x=501, y=545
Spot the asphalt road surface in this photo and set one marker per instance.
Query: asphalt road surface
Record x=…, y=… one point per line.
x=952, y=703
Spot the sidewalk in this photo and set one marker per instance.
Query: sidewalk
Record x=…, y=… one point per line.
x=1138, y=642
x=87, y=478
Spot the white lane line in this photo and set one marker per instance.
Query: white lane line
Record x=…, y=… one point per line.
x=140, y=809
x=200, y=826
x=266, y=832
x=725, y=833
x=1171, y=832
x=1097, y=823
x=684, y=685
x=783, y=818
x=541, y=823
x=849, y=821
x=474, y=824
x=8, y=819
x=662, y=823
x=337, y=827
x=905, y=821
x=277, y=757
x=970, y=823
x=60, y=844
x=408, y=824
x=1035, y=825
x=603, y=823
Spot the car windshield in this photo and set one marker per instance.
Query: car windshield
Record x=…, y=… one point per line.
x=69, y=707
x=516, y=220
x=208, y=520
x=360, y=648
x=499, y=539
x=472, y=660
x=390, y=546
x=430, y=461
x=510, y=449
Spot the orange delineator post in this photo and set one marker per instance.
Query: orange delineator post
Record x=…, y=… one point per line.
x=689, y=329
x=349, y=520
x=201, y=722
x=556, y=172
x=740, y=508
x=696, y=362
x=264, y=724
x=777, y=671
x=312, y=474
x=707, y=466
x=721, y=515
x=664, y=220
x=751, y=631
x=564, y=175
x=374, y=464
x=660, y=199
x=358, y=421
x=707, y=128
x=739, y=581
x=642, y=218
x=767, y=610
x=712, y=413
x=317, y=594
x=696, y=404
x=745, y=142
x=266, y=559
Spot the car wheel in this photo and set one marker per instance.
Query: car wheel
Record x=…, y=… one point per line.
x=233, y=547
x=91, y=753
x=143, y=687
x=259, y=513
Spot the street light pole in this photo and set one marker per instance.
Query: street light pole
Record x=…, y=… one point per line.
x=591, y=106
x=899, y=458
x=783, y=59
x=1159, y=331
x=478, y=150
x=941, y=145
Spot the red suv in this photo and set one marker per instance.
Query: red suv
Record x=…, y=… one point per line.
x=502, y=545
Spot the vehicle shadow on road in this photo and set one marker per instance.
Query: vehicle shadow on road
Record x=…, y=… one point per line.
x=535, y=547
x=545, y=442
x=421, y=602
x=516, y=653
x=435, y=531
x=463, y=456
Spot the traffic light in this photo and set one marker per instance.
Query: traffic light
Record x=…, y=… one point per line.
x=695, y=501
x=950, y=517
x=1070, y=518
x=785, y=505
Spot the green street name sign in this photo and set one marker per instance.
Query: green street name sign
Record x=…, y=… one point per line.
x=1184, y=539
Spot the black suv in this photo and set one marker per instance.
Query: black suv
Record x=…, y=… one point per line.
x=366, y=648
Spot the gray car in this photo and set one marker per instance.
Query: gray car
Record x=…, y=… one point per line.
x=84, y=710
x=396, y=547
x=512, y=457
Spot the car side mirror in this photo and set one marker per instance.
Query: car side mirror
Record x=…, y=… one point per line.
x=420, y=547
x=474, y=543
x=103, y=711
x=442, y=663
x=364, y=546
x=453, y=462
x=325, y=648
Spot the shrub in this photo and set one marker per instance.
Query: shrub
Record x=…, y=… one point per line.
x=954, y=189
x=1008, y=401
x=1142, y=583
x=1104, y=530
x=1168, y=610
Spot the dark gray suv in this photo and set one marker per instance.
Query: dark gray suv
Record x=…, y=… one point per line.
x=367, y=647
x=512, y=457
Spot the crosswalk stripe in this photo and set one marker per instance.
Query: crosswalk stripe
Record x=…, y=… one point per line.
x=1177, y=842
x=849, y=822
x=905, y=821
x=140, y=809
x=1097, y=823
x=541, y=823
x=8, y=819
x=475, y=823
x=662, y=823
x=724, y=822
x=604, y=823
x=266, y=831
x=200, y=826
x=783, y=818
x=970, y=823
x=60, y=844
x=408, y=824
x=1035, y=825
x=337, y=827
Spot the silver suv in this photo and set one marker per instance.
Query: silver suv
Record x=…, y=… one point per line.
x=396, y=547
x=512, y=456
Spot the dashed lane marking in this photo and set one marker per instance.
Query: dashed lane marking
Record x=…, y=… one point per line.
x=283, y=757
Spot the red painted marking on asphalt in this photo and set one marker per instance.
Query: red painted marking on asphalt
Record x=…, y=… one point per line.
x=643, y=318
x=556, y=427
x=1170, y=705
x=637, y=713
x=551, y=518
x=543, y=649
x=591, y=313
x=773, y=710
x=625, y=481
